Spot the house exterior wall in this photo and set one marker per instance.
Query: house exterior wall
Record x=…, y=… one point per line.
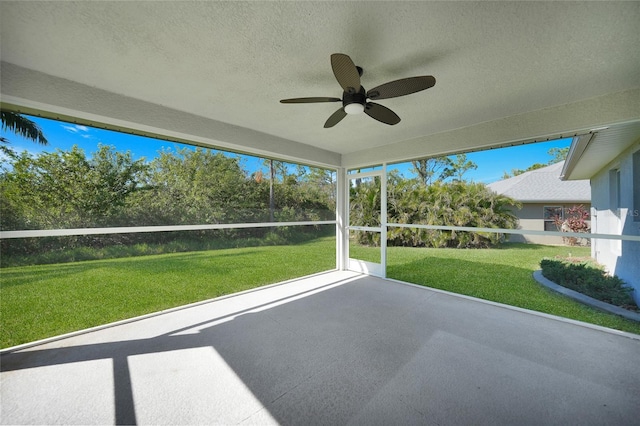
x=615, y=194
x=531, y=217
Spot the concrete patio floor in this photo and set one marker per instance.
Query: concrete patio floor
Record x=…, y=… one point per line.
x=335, y=348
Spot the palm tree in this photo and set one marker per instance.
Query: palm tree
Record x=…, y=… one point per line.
x=22, y=126
x=456, y=203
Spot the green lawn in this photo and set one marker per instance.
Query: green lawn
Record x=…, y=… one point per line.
x=501, y=275
x=47, y=300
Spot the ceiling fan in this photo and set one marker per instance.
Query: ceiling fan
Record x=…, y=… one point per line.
x=355, y=99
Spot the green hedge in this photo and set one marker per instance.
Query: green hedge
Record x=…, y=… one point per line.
x=589, y=280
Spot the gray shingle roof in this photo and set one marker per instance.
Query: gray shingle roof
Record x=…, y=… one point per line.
x=544, y=185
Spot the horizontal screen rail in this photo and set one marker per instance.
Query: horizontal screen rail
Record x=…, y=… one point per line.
x=517, y=231
x=138, y=229
x=362, y=175
x=365, y=228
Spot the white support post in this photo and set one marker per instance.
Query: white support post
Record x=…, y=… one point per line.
x=342, y=235
x=383, y=220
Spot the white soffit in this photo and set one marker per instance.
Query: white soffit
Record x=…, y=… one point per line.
x=604, y=146
x=213, y=72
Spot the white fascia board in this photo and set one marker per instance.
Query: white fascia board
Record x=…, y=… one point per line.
x=577, y=148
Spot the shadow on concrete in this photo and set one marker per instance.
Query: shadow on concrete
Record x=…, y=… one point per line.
x=369, y=351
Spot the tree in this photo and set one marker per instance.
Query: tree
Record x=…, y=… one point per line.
x=21, y=126
x=458, y=167
x=65, y=189
x=195, y=186
x=272, y=193
x=275, y=168
x=364, y=209
x=431, y=169
x=455, y=203
x=575, y=220
x=318, y=187
x=308, y=193
x=558, y=154
x=516, y=172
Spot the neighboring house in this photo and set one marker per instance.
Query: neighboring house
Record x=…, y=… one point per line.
x=543, y=196
x=610, y=158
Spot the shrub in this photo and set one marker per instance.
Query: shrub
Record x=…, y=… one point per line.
x=588, y=280
x=575, y=220
x=447, y=204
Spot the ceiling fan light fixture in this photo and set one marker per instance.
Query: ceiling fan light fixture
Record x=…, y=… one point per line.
x=356, y=100
x=354, y=108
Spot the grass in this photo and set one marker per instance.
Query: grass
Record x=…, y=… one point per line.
x=501, y=275
x=46, y=300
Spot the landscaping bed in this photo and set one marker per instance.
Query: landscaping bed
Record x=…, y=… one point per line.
x=590, y=279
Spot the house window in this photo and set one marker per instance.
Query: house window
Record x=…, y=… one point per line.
x=635, y=213
x=614, y=191
x=550, y=214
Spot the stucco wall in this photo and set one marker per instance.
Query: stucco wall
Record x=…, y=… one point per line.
x=530, y=217
x=621, y=258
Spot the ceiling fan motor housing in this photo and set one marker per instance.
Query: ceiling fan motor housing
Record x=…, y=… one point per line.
x=358, y=98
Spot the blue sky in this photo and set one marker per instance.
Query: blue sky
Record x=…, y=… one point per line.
x=64, y=136
x=491, y=164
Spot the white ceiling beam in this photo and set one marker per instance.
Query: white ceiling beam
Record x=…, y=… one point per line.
x=52, y=97
x=551, y=123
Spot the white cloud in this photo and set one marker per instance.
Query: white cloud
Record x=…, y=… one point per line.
x=72, y=129
x=78, y=129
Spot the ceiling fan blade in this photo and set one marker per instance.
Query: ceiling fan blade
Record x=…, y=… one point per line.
x=404, y=86
x=308, y=100
x=346, y=72
x=335, y=118
x=381, y=113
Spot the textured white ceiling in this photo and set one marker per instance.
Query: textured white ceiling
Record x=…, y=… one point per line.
x=505, y=71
